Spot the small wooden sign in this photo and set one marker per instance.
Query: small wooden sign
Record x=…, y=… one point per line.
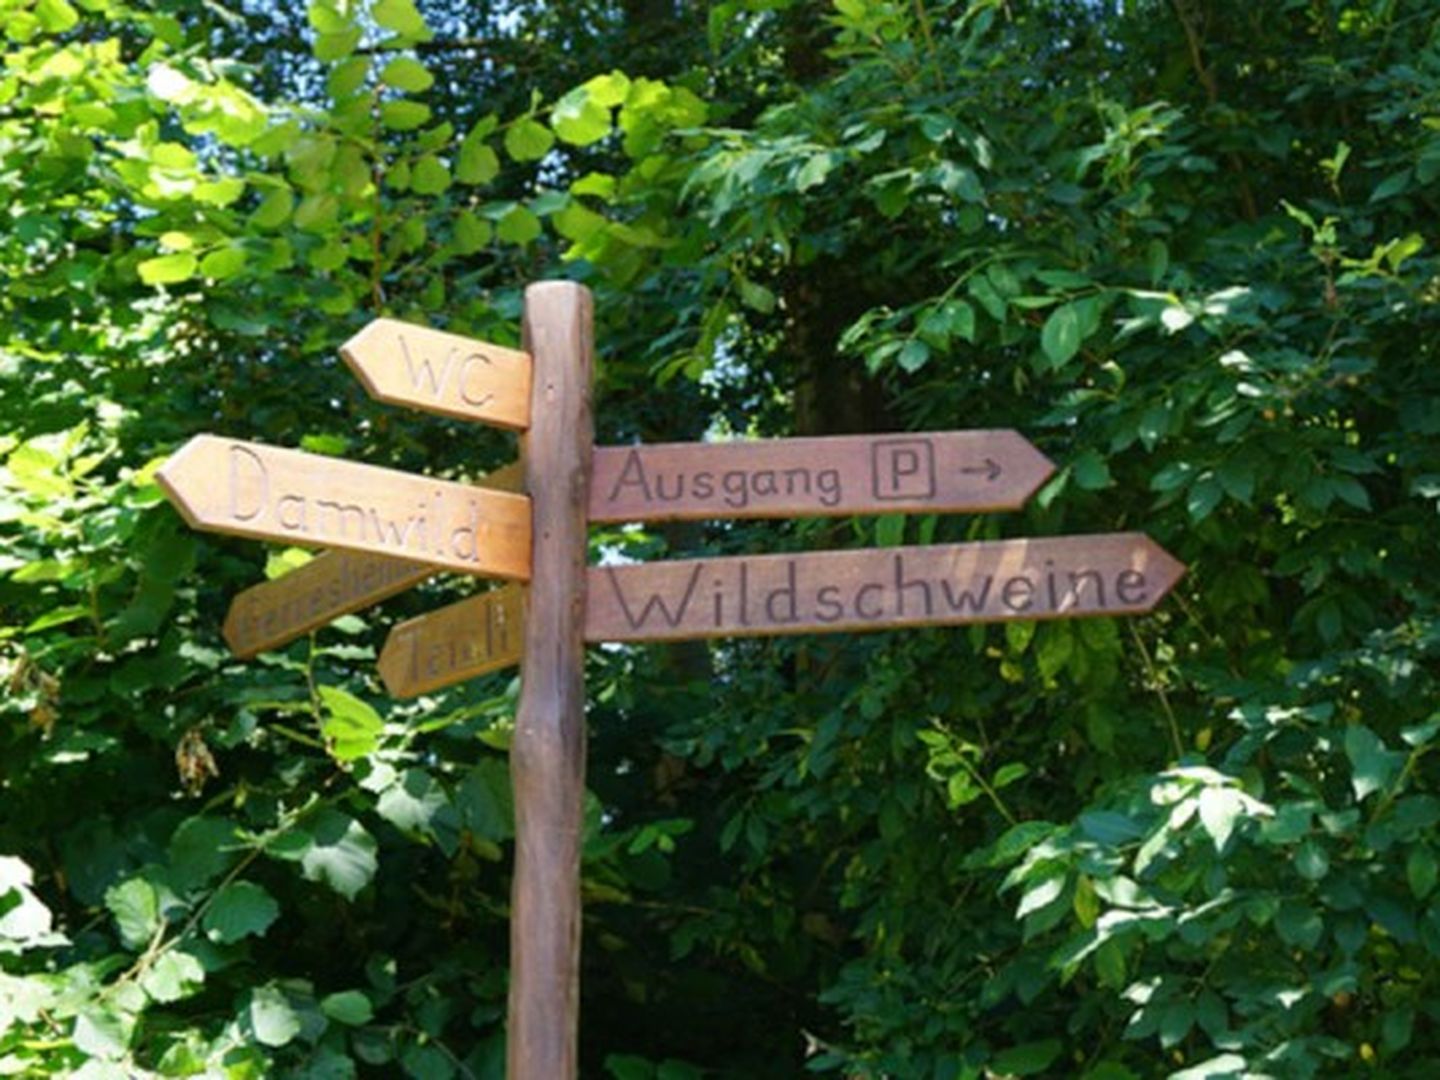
x=229, y=486
x=464, y=640
x=938, y=471
x=332, y=584
x=405, y=364
x=879, y=588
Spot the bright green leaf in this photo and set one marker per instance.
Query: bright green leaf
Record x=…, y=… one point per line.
x=528, y=140
x=169, y=269
x=408, y=75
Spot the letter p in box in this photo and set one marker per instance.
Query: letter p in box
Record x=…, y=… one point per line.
x=903, y=469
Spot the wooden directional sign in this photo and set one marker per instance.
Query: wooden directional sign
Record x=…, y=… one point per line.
x=478, y=635
x=851, y=474
x=819, y=592
x=229, y=486
x=879, y=588
x=328, y=586
x=332, y=584
x=429, y=369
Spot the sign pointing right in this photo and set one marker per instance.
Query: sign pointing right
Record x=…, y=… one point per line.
x=934, y=472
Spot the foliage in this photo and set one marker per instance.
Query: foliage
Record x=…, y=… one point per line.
x=1186, y=247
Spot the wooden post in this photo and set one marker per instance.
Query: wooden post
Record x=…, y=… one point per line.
x=547, y=754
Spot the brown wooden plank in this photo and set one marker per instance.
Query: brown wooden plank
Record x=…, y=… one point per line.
x=406, y=364
x=939, y=471
x=547, y=751
x=464, y=640
x=229, y=486
x=880, y=588
x=332, y=584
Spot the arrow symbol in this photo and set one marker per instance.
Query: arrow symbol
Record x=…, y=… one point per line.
x=990, y=470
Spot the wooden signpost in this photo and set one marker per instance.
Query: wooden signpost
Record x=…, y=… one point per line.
x=880, y=588
x=464, y=640
x=390, y=530
x=229, y=486
x=845, y=474
x=444, y=373
x=332, y=584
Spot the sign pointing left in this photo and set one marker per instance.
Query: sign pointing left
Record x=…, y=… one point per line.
x=405, y=364
x=228, y=486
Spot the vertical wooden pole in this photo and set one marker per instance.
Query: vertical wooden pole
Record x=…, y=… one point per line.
x=547, y=754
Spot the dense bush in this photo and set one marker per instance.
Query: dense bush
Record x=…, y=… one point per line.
x=1186, y=247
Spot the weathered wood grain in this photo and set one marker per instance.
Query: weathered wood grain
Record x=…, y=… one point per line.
x=880, y=588
x=405, y=364
x=938, y=471
x=547, y=751
x=334, y=583
x=247, y=489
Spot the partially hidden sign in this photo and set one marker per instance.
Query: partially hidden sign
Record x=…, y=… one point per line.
x=473, y=637
x=943, y=471
x=879, y=588
x=405, y=364
x=332, y=584
x=247, y=489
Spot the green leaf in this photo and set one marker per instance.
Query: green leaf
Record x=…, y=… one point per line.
x=813, y=172
x=347, y=78
x=102, y=1032
x=1311, y=862
x=401, y=16
x=579, y=119
x=274, y=210
x=756, y=296
x=404, y=115
x=478, y=162
x=136, y=907
x=352, y=728
x=1373, y=767
x=1027, y=1059
x=272, y=1018
x=238, y=910
x=528, y=140
x=341, y=853
x=1061, y=335
x=1091, y=472
x=1421, y=871
x=518, y=226
x=332, y=47
x=201, y=849
x=1392, y=185
x=413, y=802
x=471, y=233
x=223, y=263
x=349, y=1007
x=429, y=177
x=56, y=16
x=175, y=975
x=914, y=355
x=1220, y=809
x=168, y=269
x=408, y=75
x=1040, y=895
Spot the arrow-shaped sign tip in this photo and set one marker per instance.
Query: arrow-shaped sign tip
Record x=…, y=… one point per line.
x=173, y=480
x=1167, y=569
